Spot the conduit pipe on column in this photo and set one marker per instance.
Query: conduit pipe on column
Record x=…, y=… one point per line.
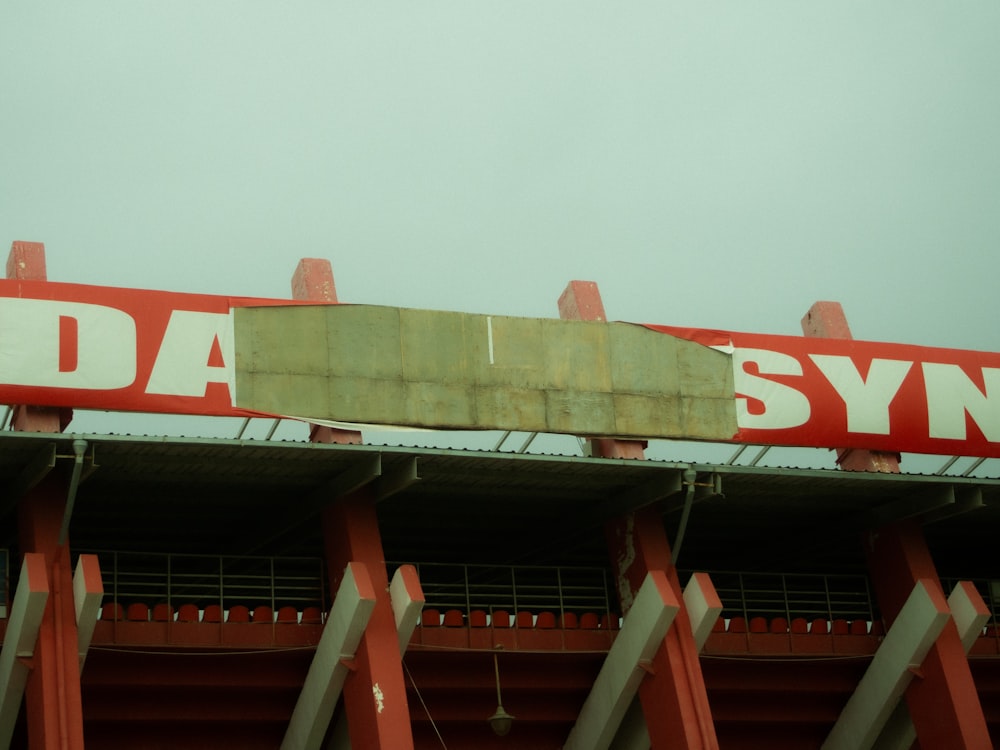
x=690, y=476
x=79, y=450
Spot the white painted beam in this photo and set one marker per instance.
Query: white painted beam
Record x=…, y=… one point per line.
x=88, y=591
x=407, y=599
x=703, y=607
x=643, y=629
x=324, y=682
x=971, y=615
x=970, y=612
x=407, y=603
x=911, y=636
x=22, y=633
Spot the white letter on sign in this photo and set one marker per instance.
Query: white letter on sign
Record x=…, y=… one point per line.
x=182, y=365
x=784, y=406
x=950, y=394
x=50, y=344
x=867, y=400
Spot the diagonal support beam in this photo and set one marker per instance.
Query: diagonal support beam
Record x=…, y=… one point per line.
x=407, y=602
x=407, y=598
x=969, y=611
x=88, y=591
x=351, y=611
x=919, y=623
x=643, y=630
x=703, y=607
x=970, y=614
x=22, y=633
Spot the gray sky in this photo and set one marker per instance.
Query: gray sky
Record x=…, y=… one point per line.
x=713, y=164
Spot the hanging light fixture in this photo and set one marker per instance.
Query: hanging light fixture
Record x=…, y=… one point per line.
x=501, y=721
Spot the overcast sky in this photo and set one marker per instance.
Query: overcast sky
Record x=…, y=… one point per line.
x=712, y=164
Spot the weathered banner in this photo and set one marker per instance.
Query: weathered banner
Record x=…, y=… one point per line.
x=117, y=349
x=136, y=350
x=802, y=391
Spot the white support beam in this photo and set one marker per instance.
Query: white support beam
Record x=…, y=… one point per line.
x=407, y=603
x=407, y=599
x=970, y=612
x=971, y=615
x=911, y=636
x=642, y=632
x=703, y=607
x=348, y=619
x=19, y=643
x=88, y=591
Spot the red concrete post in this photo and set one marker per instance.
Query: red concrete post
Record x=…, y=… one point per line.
x=944, y=705
x=26, y=262
x=378, y=715
x=313, y=282
x=54, y=707
x=673, y=696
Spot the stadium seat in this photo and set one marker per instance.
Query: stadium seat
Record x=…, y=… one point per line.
x=312, y=616
x=137, y=612
x=589, y=621
x=500, y=618
x=112, y=611
x=187, y=613
x=545, y=621
x=163, y=612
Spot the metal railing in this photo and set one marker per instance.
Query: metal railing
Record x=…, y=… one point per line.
x=177, y=579
x=213, y=579
x=792, y=595
x=515, y=588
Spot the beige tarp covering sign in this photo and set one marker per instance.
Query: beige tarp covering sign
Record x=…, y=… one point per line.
x=446, y=370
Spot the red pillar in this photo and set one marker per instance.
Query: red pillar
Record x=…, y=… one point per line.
x=673, y=696
x=313, y=282
x=54, y=708
x=943, y=703
x=378, y=715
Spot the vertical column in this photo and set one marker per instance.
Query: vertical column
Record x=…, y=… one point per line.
x=378, y=715
x=26, y=262
x=54, y=708
x=944, y=705
x=673, y=696
x=313, y=282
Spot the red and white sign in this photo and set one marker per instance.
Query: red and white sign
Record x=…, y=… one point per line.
x=88, y=347
x=839, y=393
x=118, y=349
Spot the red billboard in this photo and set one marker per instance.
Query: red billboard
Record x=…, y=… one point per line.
x=136, y=350
x=801, y=391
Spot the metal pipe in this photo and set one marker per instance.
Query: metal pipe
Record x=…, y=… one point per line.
x=79, y=450
x=690, y=475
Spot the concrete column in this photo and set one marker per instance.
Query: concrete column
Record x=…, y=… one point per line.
x=52, y=694
x=944, y=705
x=673, y=696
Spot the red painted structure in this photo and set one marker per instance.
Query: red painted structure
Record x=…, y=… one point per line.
x=184, y=671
